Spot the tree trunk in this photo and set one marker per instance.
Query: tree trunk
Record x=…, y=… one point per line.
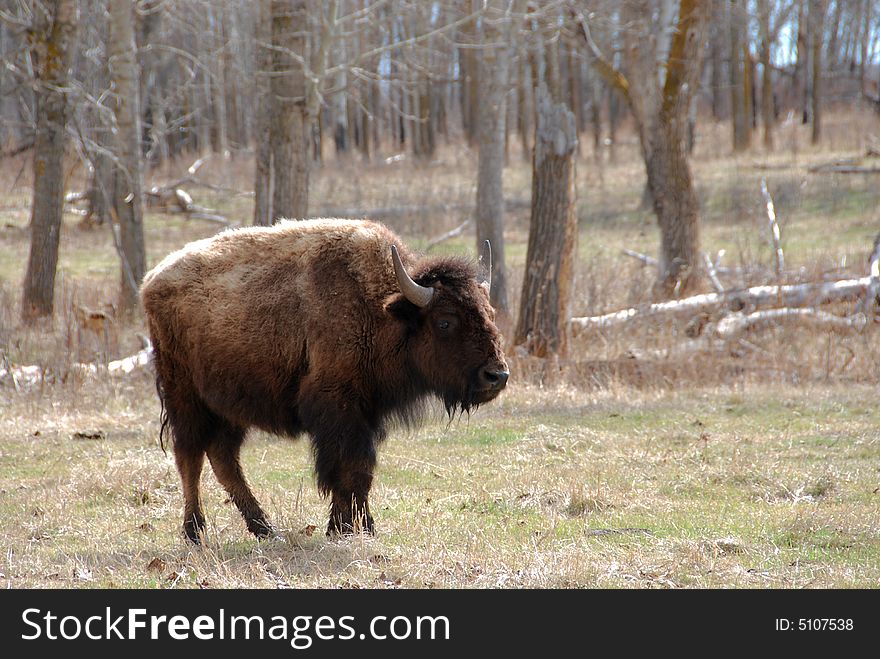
x=545, y=304
x=675, y=204
x=597, y=95
x=52, y=36
x=127, y=186
x=263, y=215
x=817, y=22
x=490, y=195
x=715, y=50
x=740, y=105
x=801, y=68
x=524, y=106
x=664, y=142
x=767, y=110
x=469, y=76
x=613, y=120
x=423, y=128
x=833, y=30
x=219, y=83
x=290, y=153
x=661, y=116
x=865, y=43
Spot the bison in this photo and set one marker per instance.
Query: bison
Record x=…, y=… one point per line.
x=330, y=328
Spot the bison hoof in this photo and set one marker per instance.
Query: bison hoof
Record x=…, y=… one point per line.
x=338, y=527
x=262, y=529
x=194, y=530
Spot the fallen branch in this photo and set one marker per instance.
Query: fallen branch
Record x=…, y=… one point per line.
x=650, y=261
x=738, y=322
x=176, y=200
x=644, y=258
x=190, y=175
x=764, y=166
x=28, y=376
x=457, y=231
x=774, y=230
x=837, y=162
x=712, y=273
x=843, y=169
x=790, y=295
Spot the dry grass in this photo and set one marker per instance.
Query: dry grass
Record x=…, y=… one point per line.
x=751, y=466
x=699, y=488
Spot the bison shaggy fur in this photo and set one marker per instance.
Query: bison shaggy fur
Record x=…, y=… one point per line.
x=309, y=328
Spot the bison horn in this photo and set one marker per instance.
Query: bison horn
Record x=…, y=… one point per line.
x=486, y=265
x=418, y=295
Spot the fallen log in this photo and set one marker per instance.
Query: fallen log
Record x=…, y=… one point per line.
x=871, y=298
x=843, y=169
x=28, y=376
x=738, y=322
x=177, y=200
x=789, y=295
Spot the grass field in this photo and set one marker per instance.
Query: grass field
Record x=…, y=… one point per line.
x=757, y=465
x=732, y=487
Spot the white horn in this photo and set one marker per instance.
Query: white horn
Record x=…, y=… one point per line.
x=419, y=295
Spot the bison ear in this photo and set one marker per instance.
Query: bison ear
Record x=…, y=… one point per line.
x=405, y=311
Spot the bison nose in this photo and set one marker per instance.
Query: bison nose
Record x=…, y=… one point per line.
x=494, y=379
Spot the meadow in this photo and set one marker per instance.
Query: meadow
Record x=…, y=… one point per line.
x=627, y=464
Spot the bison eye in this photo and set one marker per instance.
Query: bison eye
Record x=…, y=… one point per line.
x=447, y=324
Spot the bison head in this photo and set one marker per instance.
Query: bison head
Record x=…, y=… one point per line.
x=453, y=344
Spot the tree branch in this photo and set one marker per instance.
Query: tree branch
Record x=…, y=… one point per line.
x=613, y=77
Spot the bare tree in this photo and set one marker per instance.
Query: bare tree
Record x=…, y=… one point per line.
x=660, y=112
x=817, y=28
x=52, y=42
x=289, y=119
x=770, y=23
x=740, y=67
x=494, y=65
x=263, y=215
x=549, y=274
x=127, y=206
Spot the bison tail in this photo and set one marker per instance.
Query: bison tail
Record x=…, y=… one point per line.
x=160, y=391
x=163, y=415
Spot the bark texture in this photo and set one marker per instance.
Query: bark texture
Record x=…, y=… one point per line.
x=127, y=204
x=549, y=275
x=52, y=37
x=661, y=117
x=289, y=117
x=494, y=64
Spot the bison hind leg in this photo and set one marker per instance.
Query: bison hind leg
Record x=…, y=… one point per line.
x=189, y=464
x=223, y=452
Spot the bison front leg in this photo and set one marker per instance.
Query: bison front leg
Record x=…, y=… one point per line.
x=350, y=507
x=344, y=444
x=346, y=474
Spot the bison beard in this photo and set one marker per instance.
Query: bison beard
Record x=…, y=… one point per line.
x=319, y=327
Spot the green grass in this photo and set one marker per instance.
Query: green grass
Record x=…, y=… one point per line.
x=764, y=488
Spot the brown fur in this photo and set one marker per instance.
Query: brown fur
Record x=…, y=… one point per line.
x=301, y=327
